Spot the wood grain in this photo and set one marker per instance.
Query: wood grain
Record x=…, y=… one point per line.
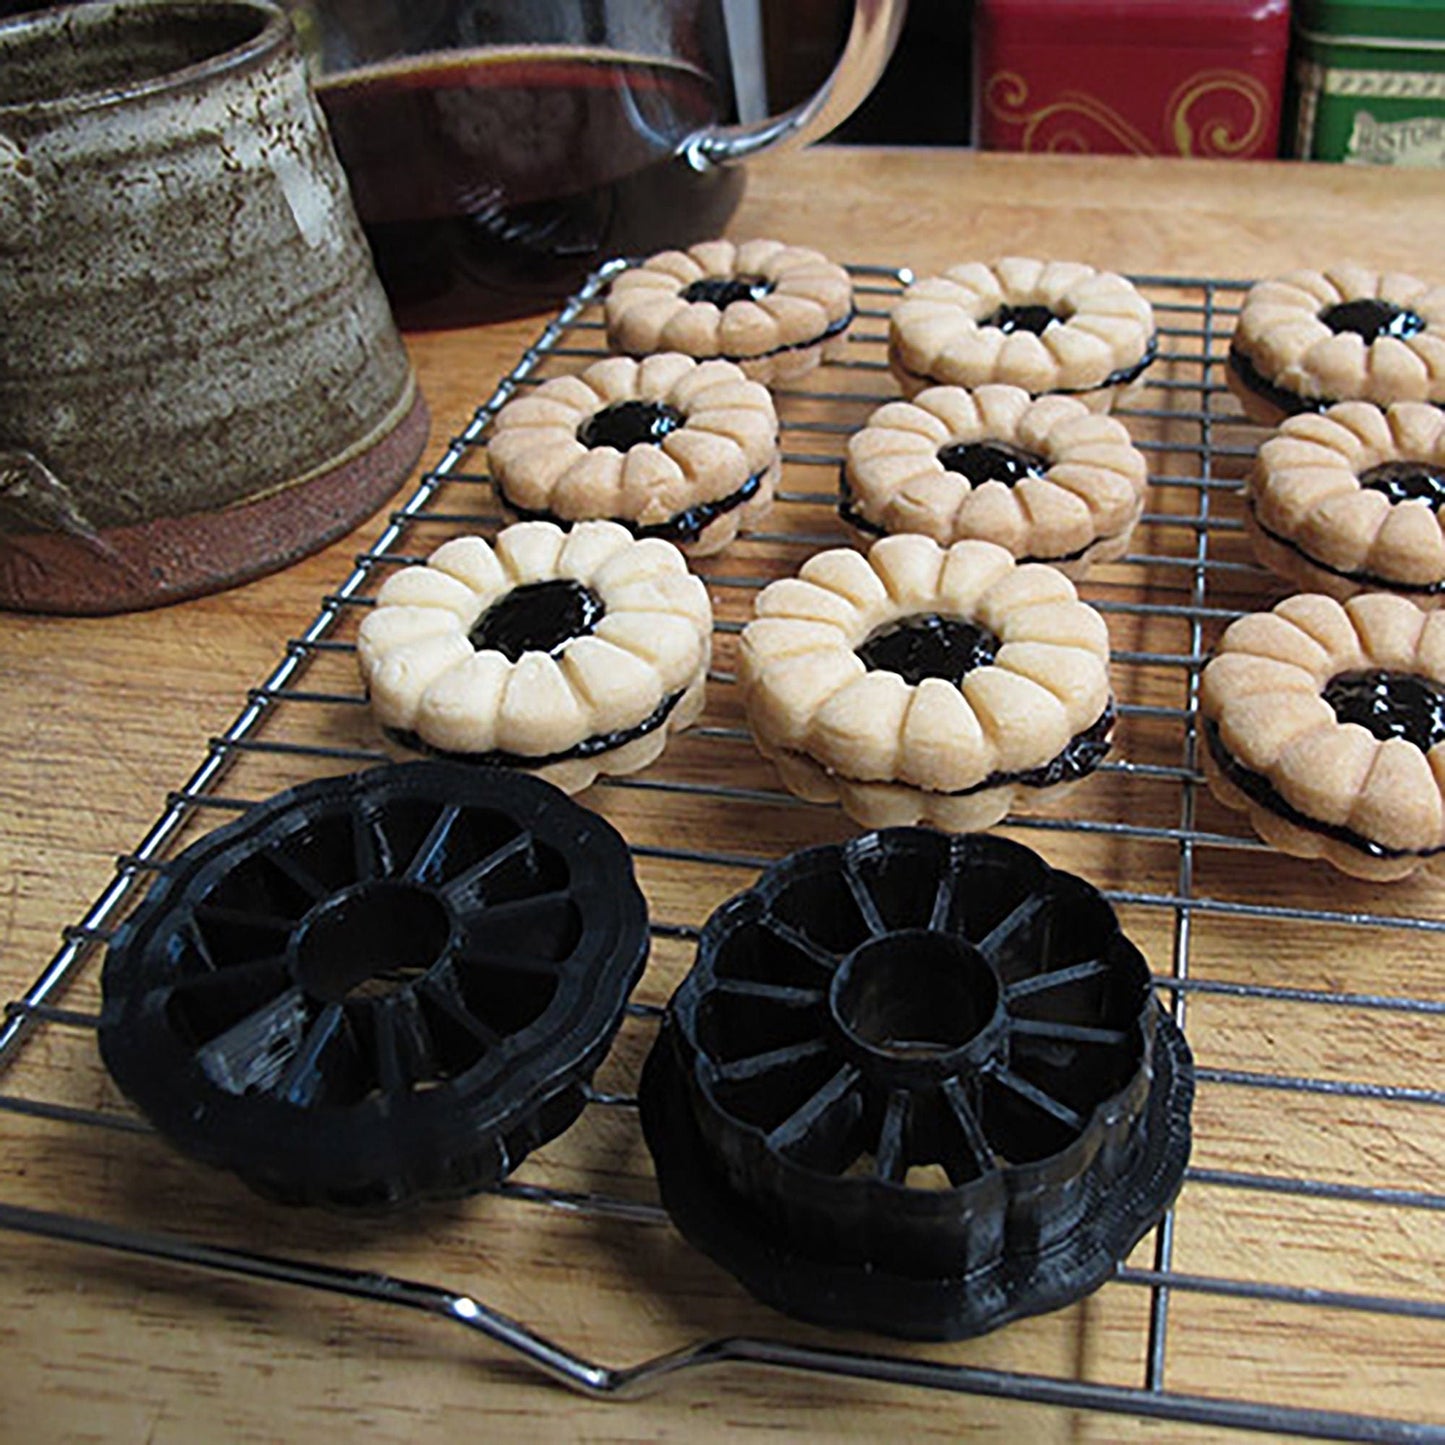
x=100, y=718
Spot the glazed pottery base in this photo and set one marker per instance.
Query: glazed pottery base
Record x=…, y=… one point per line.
x=169, y=559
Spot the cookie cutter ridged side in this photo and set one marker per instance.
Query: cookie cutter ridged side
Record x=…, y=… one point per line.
x=377, y=987
x=904, y=1006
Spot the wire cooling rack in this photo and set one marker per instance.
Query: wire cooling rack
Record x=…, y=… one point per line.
x=1309, y=1232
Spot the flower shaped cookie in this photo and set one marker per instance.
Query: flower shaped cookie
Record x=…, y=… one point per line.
x=769, y=307
x=1311, y=338
x=669, y=447
x=568, y=654
x=1047, y=479
x=1352, y=500
x=926, y=684
x=1046, y=326
x=1326, y=724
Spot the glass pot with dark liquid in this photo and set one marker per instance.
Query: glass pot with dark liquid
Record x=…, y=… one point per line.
x=499, y=149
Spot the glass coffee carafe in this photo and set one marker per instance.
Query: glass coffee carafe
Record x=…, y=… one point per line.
x=498, y=149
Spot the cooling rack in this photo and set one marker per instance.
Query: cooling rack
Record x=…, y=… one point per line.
x=1314, y=1205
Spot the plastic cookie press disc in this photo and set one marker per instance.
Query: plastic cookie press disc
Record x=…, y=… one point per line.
x=917, y=1084
x=380, y=987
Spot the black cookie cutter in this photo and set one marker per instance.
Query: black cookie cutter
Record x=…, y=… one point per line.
x=917, y=1084
x=380, y=987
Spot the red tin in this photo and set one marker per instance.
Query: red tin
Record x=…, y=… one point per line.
x=1140, y=77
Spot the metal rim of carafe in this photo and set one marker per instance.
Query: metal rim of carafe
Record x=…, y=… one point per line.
x=871, y=39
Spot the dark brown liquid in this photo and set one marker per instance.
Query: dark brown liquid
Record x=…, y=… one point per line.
x=490, y=181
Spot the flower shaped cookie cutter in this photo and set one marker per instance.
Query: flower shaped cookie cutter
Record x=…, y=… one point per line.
x=917, y=1084
x=377, y=988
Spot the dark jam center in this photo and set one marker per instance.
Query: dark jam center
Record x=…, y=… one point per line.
x=984, y=462
x=540, y=617
x=928, y=645
x=1391, y=705
x=1371, y=319
x=1008, y=319
x=627, y=424
x=722, y=291
x=1408, y=482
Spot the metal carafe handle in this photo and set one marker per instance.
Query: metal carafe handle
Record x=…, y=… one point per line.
x=874, y=33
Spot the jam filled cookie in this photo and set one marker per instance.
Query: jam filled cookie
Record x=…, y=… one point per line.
x=1047, y=326
x=567, y=654
x=926, y=684
x=1351, y=500
x=771, y=308
x=1326, y=723
x=669, y=447
x=1047, y=479
x=1308, y=339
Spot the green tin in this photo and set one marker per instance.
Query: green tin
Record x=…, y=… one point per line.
x=1369, y=82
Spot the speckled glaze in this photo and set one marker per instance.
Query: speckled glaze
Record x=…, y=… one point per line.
x=199, y=376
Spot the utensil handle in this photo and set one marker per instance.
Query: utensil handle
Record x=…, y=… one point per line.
x=874, y=33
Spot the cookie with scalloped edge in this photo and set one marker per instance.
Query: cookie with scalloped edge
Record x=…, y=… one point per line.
x=1353, y=499
x=669, y=447
x=775, y=310
x=1045, y=478
x=919, y=683
x=1325, y=723
x=1045, y=326
x=566, y=654
x=1309, y=339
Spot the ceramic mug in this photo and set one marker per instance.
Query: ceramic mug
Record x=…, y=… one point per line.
x=200, y=378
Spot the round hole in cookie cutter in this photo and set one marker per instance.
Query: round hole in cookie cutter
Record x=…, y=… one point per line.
x=857, y=1162
x=368, y=937
x=917, y=1005
x=377, y=988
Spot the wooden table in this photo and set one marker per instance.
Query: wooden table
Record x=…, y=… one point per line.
x=99, y=718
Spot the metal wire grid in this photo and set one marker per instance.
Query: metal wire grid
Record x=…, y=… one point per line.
x=1194, y=315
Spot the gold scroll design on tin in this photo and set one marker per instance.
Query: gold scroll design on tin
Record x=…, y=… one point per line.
x=1071, y=119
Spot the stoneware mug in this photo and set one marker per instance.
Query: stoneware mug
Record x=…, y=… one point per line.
x=200, y=380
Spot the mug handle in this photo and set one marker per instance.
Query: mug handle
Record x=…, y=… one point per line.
x=874, y=33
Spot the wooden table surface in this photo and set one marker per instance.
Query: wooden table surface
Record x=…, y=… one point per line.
x=99, y=718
